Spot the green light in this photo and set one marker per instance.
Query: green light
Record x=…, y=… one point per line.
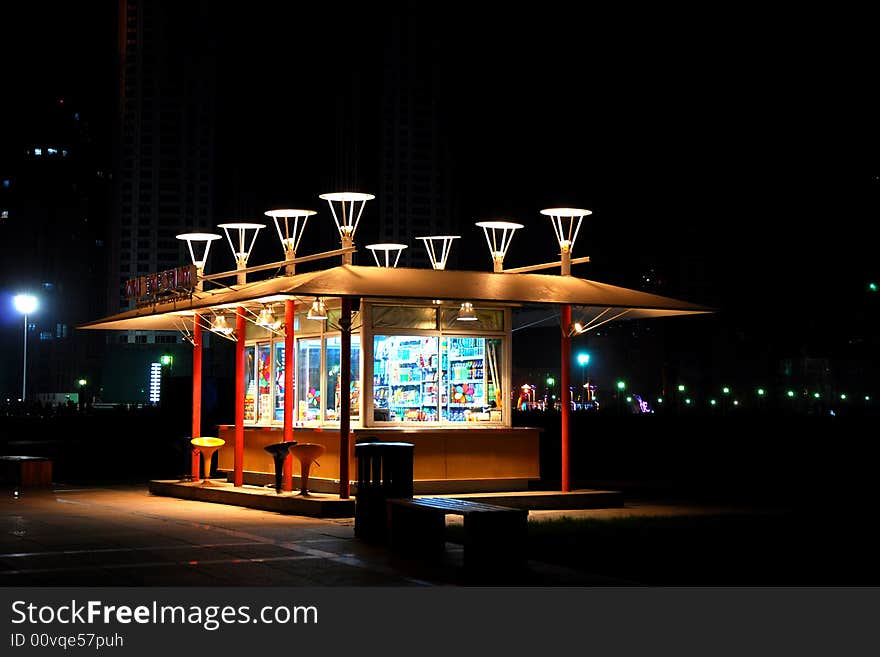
x=628, y=398
x=687, y=401
x=550, y=381
x=790, y=393
x=713, y=402
x=680, y=388
x=583, y=358
x=660, y=400
x=816, y=395
x=867, y=398
x=725, y=390
x=872, y=286
x=621, y=385
x=760, y=392
x=843, y=396
x=166, y=359
x=82, y=382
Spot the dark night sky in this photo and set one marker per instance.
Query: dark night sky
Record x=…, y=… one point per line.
x=734, y=148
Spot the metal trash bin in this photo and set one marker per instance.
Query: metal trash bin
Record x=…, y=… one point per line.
x=384, y=471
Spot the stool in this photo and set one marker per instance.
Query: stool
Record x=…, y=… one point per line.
x=279, y=452
x=207, y=446
x=307, y=453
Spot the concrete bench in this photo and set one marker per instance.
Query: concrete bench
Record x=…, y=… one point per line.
x=26, y=471
x=494, y=536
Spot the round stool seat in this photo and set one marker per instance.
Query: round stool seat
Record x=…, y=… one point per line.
x=207, y=446
x=279, y=452
x=307, y=453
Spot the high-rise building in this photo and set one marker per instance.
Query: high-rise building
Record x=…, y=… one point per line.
x=164, y=164
x=53, y=201
x=164, y=184
x=415, y=191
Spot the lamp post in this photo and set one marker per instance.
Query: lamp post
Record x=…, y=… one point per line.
x=583, y=361
x=25, y=304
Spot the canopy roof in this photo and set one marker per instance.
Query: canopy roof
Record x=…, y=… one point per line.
x=402, y=284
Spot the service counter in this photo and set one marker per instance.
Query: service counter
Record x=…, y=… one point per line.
x=446, y=459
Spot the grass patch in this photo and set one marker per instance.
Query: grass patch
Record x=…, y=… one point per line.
x=758, y=549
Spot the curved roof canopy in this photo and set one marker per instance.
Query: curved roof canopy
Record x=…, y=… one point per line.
x=379, y=283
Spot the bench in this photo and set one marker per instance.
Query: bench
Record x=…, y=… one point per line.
x=494, y=536
x=26, y=471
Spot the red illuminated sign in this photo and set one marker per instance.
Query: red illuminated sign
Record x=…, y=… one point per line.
x=162, y=285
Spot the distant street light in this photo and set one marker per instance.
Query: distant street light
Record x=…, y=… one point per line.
x=25, y=304
x=82, y=382
x=583, y=361
x=725, y=390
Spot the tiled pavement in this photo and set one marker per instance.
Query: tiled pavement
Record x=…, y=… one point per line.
x=127, y=537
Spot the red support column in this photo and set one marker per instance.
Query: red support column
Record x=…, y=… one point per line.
x=238, y=462
x=289, y=310
x=196, y=392
x=344, y=396
x=566, y=394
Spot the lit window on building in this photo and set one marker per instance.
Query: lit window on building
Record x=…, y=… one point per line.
x=4, y=214
x=46, y=335
x=7, y=182
x=51, y=151
x=48, y=286
x=38, y=152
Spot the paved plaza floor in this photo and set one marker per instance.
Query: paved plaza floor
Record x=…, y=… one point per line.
x=123, y=536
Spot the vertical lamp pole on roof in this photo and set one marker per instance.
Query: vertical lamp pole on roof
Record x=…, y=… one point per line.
x=199, y=255
x=498, y=234
x=566, y=225
x=386, y=248
x=289, y=310
x=240, y=252
x=347, y=215
x=292, y=233
x=444, y=242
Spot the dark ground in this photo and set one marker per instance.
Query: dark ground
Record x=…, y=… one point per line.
x=779, y=500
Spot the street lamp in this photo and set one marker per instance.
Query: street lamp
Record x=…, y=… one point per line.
x=25, y=304
x=583, y=361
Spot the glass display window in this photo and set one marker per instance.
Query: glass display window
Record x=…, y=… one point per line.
x=279, y=381
x=332, y=380
x=405, y=385
x=308, y=376
x=250, y=384
x=264, y=383
x=472, y=379
x=450, y=379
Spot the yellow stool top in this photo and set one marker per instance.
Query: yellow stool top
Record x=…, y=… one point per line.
x=208, y=442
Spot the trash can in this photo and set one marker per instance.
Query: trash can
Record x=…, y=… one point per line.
x=384, y=471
